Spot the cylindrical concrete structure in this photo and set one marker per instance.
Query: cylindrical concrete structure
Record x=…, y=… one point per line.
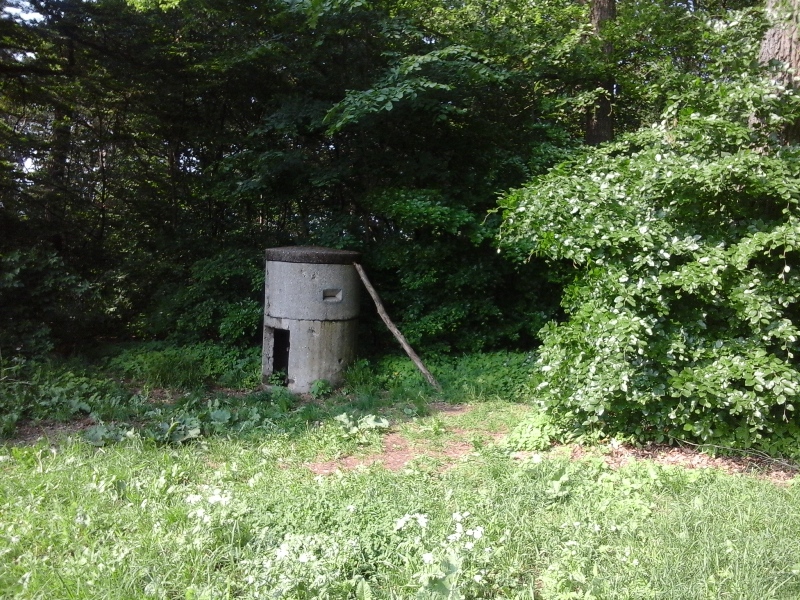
x=310, y=314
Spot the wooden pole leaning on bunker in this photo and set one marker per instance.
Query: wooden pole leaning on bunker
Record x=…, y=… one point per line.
x=395, y=331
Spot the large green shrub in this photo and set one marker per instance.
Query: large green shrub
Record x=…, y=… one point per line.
x=42, y=302
x=683, y=315
x=219, y=297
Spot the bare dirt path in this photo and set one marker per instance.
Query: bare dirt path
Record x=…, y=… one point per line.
x=464, y=436
x=399, y=450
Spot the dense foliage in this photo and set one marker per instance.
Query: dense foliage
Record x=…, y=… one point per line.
x=151, y=153
x=175, y=394
x=683, y=319
x=151, y=150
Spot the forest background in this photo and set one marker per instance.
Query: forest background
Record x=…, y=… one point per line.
x=642, y=154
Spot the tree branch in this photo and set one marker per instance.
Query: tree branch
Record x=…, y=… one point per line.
x=395, y=331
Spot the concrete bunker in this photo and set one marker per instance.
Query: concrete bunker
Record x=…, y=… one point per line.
x=310, y=315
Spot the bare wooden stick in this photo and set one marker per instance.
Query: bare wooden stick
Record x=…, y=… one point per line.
x=395, y=331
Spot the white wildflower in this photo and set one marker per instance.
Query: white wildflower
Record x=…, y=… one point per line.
x=218, y=497
x=427, y=558
x=458, y=533
x=422, y=521
x=25, y=580
x=201, y=515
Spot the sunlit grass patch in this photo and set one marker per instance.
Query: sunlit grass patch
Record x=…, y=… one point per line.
x=238, y=510
x=245, y=518
x=493, y=416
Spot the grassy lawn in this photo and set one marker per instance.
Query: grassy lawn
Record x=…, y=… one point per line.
x=247, y=516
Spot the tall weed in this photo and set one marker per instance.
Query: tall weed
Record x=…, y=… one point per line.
x=478, y=375
x=189, y=367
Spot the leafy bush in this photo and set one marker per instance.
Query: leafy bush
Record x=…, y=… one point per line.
x=194, y=416
x=684, y=315
x=356, y=429
x=41, y=300
x=320, y=389
x=221, y=298
x=32, y=390
x=537, y=432
x=461, y=296
x=186, y=367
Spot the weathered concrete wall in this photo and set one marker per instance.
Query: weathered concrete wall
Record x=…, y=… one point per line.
x=318, y=350
x=313, y=293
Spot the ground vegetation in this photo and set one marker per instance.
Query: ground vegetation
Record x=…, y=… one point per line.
x=646, y=171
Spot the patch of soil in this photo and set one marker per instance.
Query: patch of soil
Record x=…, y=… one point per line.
x=450, y=410
x=772, y=469
x=27, y=434
x=619, y=455
x=397, y=453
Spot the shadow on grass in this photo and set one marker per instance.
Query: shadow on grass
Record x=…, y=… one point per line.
x=389, y=386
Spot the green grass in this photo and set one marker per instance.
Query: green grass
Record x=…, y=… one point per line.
x=209, y=495
x=243, y=517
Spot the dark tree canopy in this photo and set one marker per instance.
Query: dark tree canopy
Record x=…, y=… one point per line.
x=150, y=151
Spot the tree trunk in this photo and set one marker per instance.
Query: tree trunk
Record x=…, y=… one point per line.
x=56, y=195
x=781, y=43
x=599, y=118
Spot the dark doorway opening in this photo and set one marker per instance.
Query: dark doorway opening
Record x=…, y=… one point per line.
x=280, y=352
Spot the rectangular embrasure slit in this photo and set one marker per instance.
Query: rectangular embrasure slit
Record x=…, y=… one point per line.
x=332, y=295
